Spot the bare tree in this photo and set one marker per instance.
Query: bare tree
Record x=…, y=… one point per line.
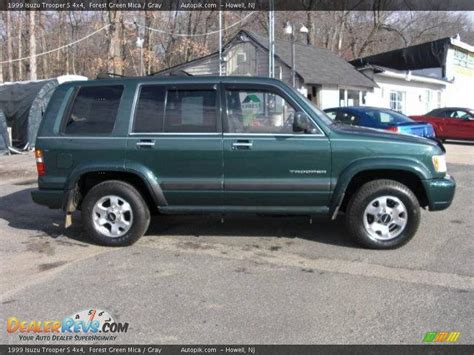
x=115, y=63
x=20, y=46
x=9, y=46
x=32, y=47
x=44, y=59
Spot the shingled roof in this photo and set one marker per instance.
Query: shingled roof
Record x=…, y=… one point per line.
x=315, y=65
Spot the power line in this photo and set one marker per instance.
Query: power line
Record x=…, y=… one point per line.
x=130, y=23
x=190, y=34
x=59, y=48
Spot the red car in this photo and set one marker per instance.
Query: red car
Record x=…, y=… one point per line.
x=450, y=122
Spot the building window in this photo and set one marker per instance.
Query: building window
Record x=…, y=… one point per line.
x=242, y=60
x=351, y=97
x=397, y=101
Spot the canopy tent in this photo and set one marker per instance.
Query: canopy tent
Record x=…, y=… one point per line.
x=23, y=104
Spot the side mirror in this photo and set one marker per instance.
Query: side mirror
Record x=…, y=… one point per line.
x=302, y=123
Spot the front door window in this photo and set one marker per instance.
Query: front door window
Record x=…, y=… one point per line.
x=258, y=111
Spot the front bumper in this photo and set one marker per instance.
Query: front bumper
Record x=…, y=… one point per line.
x=440, y=192
x=51, y=198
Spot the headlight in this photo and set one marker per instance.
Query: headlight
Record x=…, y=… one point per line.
x=439, y=163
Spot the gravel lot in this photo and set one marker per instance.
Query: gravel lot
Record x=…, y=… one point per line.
x=263, y=280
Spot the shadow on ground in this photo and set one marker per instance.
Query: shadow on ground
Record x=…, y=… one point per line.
x=21, y=213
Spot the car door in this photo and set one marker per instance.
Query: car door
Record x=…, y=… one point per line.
x=267, y=166
x=459, y=124
x=176, y=133
x=436, y=119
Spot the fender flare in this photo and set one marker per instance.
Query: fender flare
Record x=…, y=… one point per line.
x=146, y=175
x=368, y=164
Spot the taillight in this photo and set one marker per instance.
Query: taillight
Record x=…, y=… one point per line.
x=392, y=129
x=40, y=162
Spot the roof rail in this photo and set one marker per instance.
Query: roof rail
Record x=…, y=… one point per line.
x=171, y=73
x=109, y=75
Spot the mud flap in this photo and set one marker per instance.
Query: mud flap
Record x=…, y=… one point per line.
x=70, y=206
x=68, y=220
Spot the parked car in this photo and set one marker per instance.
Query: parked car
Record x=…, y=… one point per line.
x=121, y=149
x=380, y=118
x=451, y=122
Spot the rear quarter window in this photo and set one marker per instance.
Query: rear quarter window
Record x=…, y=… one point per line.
x=93, y=110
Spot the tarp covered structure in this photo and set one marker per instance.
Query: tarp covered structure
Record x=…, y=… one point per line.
x=24, y=103
x=421, y=56
x=4, y=139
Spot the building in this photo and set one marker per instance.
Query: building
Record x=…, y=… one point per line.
x=403, y=91
x=322, y=76
x=420, y=78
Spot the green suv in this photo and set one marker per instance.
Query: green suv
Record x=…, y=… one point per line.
x=120, y=150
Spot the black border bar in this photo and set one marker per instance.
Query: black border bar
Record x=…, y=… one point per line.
x=238, y=349
x=237, y=5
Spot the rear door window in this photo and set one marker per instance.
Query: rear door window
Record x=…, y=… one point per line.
x=150, y=109
x=94, y=110
x=160, y=109
x=191, y=111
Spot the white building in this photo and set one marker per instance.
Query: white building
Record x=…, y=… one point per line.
x=406, y=92
x=417, y=79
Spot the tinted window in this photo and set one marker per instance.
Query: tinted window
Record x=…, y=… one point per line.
x=94, y=110
x=459, y=114
x=346, y=117
x=193, y=111
x=436, y=113
x=258, y=112
x=150, y=109
x=331, y=114
x=387, y=117
x=315, y=110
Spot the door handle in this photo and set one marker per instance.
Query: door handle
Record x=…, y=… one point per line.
x=145, y=144
x=242, y=145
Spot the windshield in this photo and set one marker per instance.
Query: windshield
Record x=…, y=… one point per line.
x=321, y=114
x=387, y=116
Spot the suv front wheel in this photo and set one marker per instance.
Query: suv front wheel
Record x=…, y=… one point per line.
x=115, y=214
x=383, y=214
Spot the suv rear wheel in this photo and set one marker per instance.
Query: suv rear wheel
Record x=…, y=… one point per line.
x=383, y=214
x=115, y=214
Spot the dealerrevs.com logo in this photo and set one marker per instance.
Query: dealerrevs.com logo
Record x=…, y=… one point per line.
x=87, y=325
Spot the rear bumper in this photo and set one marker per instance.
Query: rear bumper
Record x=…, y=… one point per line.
x=440, y=192
x=51, y=198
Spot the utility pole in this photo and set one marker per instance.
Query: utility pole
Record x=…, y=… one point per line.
x=271, y=40
x=289, y=30
x=220, y=40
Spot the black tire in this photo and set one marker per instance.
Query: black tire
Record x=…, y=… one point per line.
x=377, y=189
x=139, y=209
